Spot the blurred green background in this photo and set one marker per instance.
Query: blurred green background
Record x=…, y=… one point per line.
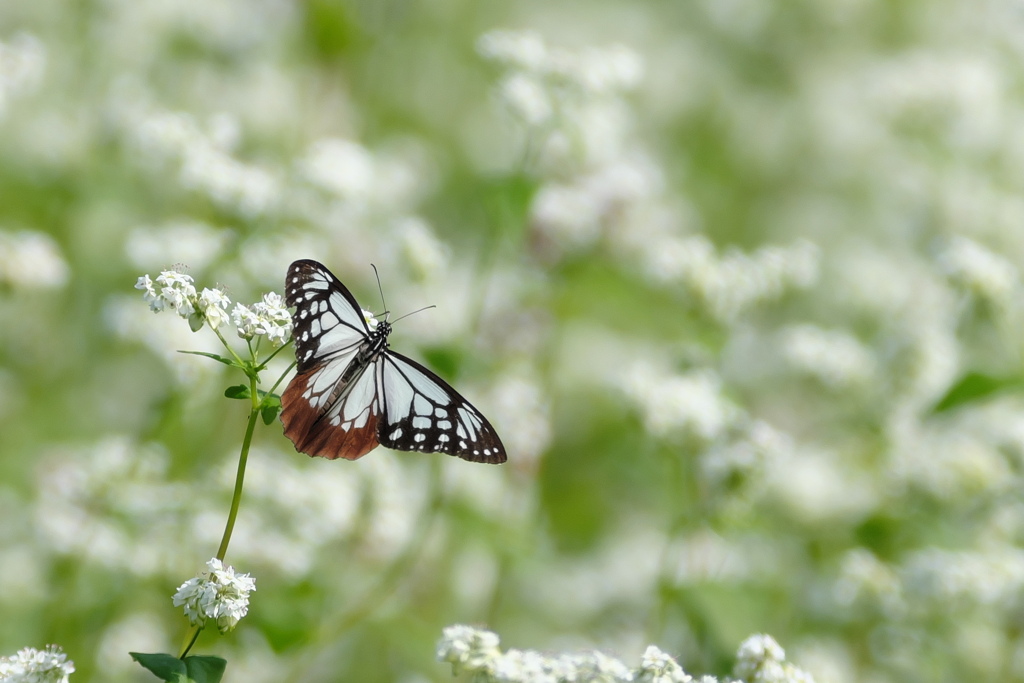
x=709, y=267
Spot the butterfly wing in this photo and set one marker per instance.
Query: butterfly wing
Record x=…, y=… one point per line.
x=331, y=407
x=424, y=413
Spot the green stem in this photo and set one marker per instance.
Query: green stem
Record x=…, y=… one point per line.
x=190, y=640
x=227, y=346
x=236, y=498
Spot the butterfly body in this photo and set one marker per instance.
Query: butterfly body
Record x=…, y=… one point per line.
x=351, y=393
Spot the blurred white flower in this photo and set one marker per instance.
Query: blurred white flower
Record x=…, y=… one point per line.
x=593, y=70
x=22, y=63
x=525, y=420
x=526, y=98
x=203, y=164
x=690, y=403
x=750, y=454
x=522, y=49
x=979, y=270
x=340, y=166
x=31, y=259
x=574, y=214
x=937, y=578
x=193, y=242
x=729, y=284
x=422, y=250
x=559, y=94
x=834, y=357
x=218, y=594
x=30, y=665
x=863, y=577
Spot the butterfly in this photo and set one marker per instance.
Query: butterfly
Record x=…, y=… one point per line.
x=351, y=393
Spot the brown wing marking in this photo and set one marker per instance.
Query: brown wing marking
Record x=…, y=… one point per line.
x=319, y=437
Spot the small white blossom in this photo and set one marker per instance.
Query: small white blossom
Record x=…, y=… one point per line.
x=760, y=659
x=466, y=647
x=178, y=292
x=370, y=319
x=267, y=318
x=245, y=320
x=217, y=594
x=30, y=665
x=213, y=304
x=275, y=322
x=149, y=294
x=658, y=667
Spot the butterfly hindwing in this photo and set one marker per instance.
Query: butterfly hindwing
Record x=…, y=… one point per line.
x=321, y=414
x=424, y=413
x=340, y=422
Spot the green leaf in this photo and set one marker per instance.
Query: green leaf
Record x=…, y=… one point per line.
x=205, y=668
x=219, y=359
x=271, y=407
x=195, y=322
x=166, y=667
x=238, y=391
x=195, y=669
x=975, y=386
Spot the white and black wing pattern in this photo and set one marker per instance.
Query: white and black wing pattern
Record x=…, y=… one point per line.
x=423, y=413
x=350, y=393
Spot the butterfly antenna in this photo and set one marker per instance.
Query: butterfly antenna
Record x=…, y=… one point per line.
x=418, y=310
x=380, y=289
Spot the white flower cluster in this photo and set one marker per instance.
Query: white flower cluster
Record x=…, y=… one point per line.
x=269, y=318
x=30, y=665
x=176, y=291
x=31, y=259
x=218, y=594
x=762, y=660
x=543, y=80
x=477, y=651
x=22, y=61
x=205, y=162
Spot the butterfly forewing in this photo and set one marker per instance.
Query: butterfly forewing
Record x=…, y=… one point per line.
x=424, y=413
x=327, y=321
x=350, y=393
